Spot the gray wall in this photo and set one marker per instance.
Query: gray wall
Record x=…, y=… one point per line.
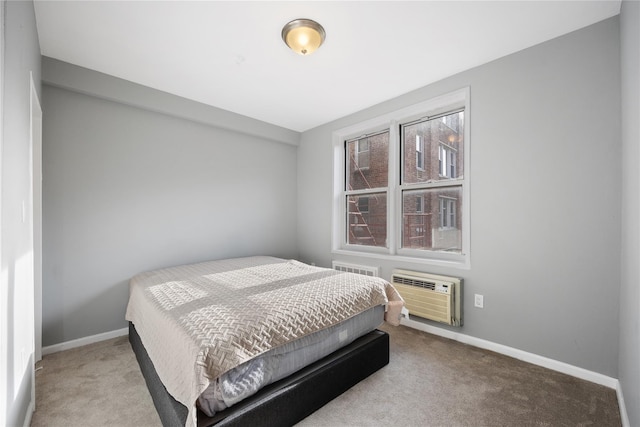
x=136, y=179
x=545, y=197
x=629, y=369
x=21, y=56
x=127, y=190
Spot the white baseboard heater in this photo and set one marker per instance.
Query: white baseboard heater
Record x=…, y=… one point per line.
x=355, y=268
x=430, y=296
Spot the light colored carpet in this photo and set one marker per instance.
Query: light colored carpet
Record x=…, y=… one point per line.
x=430, y=381
x=433, y=381
x=95, y=385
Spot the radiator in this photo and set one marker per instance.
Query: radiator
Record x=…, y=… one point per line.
x=430, y=296
x=354, y=268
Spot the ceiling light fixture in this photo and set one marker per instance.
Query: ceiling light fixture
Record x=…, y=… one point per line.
x=303, y=36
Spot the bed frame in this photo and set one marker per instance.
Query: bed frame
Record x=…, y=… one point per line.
x=285, y=402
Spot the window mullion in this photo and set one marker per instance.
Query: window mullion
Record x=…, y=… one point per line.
x=394, y=207
x=433, y=184
x=366, y=191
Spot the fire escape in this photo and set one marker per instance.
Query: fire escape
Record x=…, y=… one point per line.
x=359, y=229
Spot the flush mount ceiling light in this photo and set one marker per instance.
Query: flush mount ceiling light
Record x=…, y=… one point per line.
x=303, y=36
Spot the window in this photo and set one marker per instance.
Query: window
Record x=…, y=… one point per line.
x=366, y=189
x=363, y=153
x=419, y=153
x=419, y=204
x=447, y=161
x=400, y=184
x=448, y=212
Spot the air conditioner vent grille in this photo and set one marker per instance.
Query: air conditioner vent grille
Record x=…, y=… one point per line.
x=414, y=282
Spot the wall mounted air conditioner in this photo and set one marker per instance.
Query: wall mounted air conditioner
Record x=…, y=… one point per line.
x=430, y=296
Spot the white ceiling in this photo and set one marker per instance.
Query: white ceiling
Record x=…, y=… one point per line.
x=229, y=54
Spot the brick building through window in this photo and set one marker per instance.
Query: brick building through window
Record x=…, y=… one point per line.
x=432, y=165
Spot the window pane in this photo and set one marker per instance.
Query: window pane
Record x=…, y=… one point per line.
x=367, y=220
x=438, y=226
x=367, y=162
x=441, y=142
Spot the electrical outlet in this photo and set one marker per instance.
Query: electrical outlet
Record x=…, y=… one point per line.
x=479, y=301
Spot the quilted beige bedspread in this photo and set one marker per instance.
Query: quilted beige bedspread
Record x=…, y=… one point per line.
x=198, y=321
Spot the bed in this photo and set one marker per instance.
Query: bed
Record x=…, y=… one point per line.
x=256, y=339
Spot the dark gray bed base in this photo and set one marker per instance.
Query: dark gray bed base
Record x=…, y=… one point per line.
x=285, y=402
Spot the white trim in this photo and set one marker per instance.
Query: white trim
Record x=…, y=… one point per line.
x=448, y=263
x=30, y=410
x=35, y=134
x=623, y=408
x=55, y=348
x=4, y=288
x=525, y=356
x=391, y=121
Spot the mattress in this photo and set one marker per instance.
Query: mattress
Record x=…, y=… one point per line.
x=246, y=379
x=201, y=321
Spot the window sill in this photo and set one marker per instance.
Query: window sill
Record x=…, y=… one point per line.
x=460, y=264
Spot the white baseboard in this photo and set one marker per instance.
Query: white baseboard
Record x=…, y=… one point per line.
x=30, y=410
x=535, y=359
x=525, y=356
x=84, y=341
x=622, y=406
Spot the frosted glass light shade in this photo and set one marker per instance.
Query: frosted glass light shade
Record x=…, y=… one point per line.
x=303, y=36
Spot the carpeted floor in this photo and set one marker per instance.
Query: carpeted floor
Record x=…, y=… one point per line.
x=430, y=381
x=95, y=385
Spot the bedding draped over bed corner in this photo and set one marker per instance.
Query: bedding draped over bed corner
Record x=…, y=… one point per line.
x=216, y=315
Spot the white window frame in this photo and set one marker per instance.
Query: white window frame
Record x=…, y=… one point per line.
x=438, y=105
